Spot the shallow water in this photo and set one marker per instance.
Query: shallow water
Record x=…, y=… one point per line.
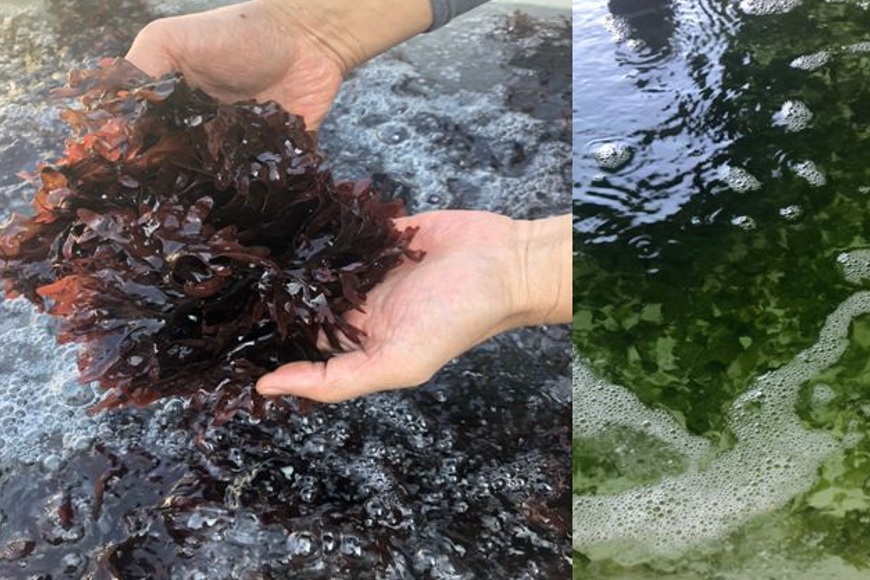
x=720, y=202
x=464, y=477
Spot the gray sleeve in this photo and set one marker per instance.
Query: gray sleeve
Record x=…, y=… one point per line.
x=443, y=11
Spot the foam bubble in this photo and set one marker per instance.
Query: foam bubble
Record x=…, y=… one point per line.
x=810, y=172
x=791, y=212
x=793, y=115
x=761, y=7
x=40, y=391
x=858, y=47
x=744, y=222
x=599, y=406
x=612, y=156
x=811, y=62
x=738, y=179
x=822, y=395
x=855, y=265
x=775, y=457
x=467, y=148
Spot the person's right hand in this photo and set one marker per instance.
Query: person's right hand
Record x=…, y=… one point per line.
x=295, y=52
x=255, y=50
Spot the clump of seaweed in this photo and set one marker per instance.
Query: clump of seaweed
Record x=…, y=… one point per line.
x=189, y=245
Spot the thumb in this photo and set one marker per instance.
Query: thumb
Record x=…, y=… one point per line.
x=149, y=50
x=342, y=377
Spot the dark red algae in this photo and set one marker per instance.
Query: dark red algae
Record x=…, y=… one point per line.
x=190, y=246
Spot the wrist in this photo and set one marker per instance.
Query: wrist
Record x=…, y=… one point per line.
x=544, y=280
x=353, y=32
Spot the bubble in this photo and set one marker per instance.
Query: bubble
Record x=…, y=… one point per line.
x=794, y=116
x=822, y=395
x=791, y=212
x=40, y=394
x=351, y=546
x=392, y=133
x=76, y=394
x=73, y=563
x=858, y=47
x=600, y=406
x=855, y=265
x=738, y=179
x=51, y=463
x=744, y=222
x=775, y=457
x=762, y=7
x=202, y=519
x=612, y=156
x=810, y=172
x=300, y=543
x=245, y=531
x=474, y=127
x=812, y=61
x=463, y=135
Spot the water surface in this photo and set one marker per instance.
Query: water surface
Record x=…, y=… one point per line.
x=464, y=477
x=720, y=203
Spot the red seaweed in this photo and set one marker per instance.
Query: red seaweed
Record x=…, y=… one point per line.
x=189, y=246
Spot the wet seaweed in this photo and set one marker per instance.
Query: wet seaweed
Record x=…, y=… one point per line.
x=189, y=246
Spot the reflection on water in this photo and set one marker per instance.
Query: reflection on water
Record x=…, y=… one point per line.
x=720, y=200
x=465, y=477
x=660, y=105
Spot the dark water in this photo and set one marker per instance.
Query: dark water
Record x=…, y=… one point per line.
x=465, y=477
x=721, y=209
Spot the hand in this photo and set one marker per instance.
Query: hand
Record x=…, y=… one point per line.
x=244, y=51
x=295, y=52
x=473, y=283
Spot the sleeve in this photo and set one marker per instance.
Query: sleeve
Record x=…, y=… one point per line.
x=443, y=11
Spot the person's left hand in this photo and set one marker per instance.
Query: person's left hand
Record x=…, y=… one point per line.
x=471, y=284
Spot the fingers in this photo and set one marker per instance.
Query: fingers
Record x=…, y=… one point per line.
x=340, y=378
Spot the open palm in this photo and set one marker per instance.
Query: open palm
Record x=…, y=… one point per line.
x=423, y=314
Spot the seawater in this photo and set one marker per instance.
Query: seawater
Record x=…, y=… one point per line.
x=721, y=328
x=462, y=477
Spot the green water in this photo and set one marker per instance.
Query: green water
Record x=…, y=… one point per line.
x=690, y=285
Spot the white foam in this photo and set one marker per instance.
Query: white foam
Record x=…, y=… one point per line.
x=612, y=156
x=775, y=457
x=599, y=406
x=738, y=179
x=811, y=62
x=822, y=395
x=794, y=116
x=762, y=7
x=857, y=47
x=744, y=222
x=791, y=212
x=855, y=265
x=435, y=151
x=810, y=172
x=43, y=407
